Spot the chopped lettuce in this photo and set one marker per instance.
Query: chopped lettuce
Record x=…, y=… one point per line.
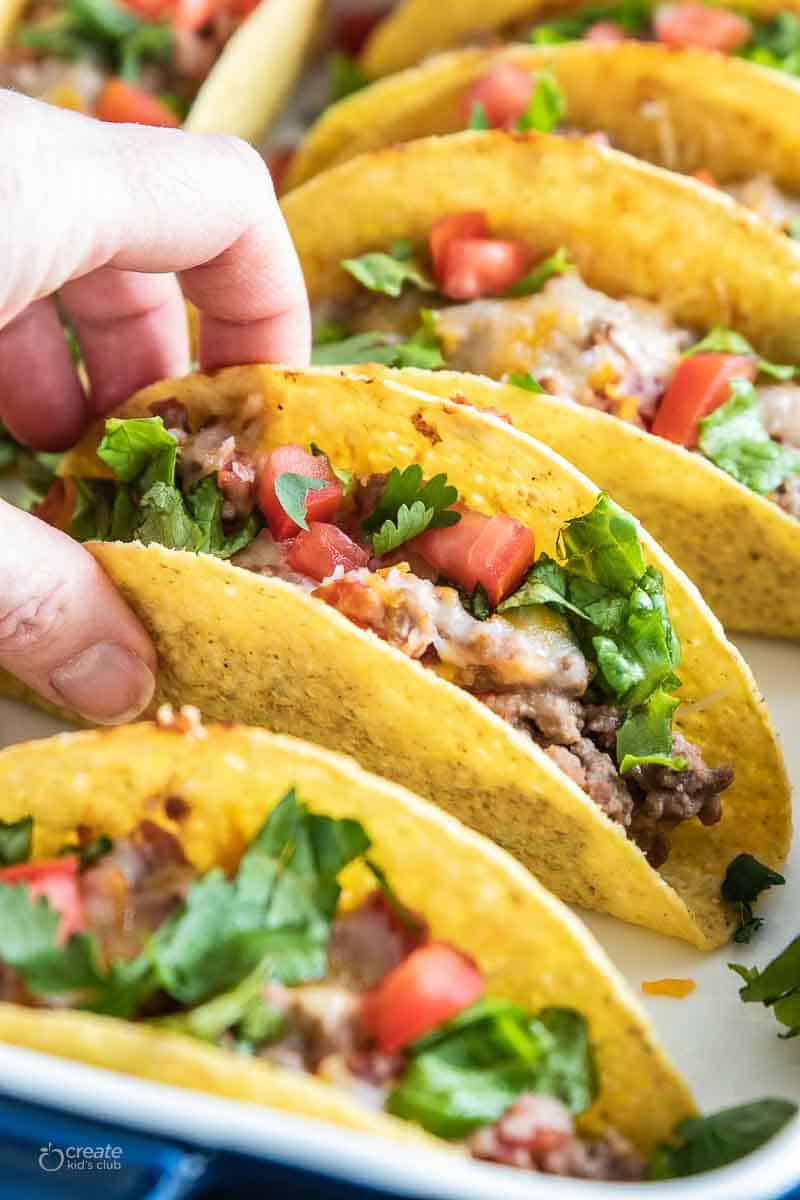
x=16, y=841
x=9, y=448
x=728, y=341
x=632, y=15
x=526, y=381
x=703, y=1143
x=477, y=117
x=408, y=506
x=616, y=606
x=547, y=107
x=346, y=76
x=421, y=350
x=745, y=879
x=276, y=911
x=466, y=1073
x=776, y=987
x=140, y=450
x=387, y=274
x=776, y=43
x=735, y=440
x=557, y=264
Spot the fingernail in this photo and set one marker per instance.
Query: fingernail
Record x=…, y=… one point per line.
x=105, y=683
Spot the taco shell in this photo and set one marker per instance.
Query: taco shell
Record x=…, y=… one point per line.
x=682, y=109
x=250, y=648
x=632, y=229
x=530, y=948
x=418, y=28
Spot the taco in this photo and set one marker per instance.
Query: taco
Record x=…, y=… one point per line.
x=409, y=626
x=765, y=31
x=625, y=291
x=226, y=910
x=221, y=67
x=723, y=120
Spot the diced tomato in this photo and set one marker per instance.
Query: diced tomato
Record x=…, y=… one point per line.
x=351, y=29
x=504, y=93
x=453, y=228
x=278, y=163
x=429, y=987
x=57, y=880
x=448, y=549
x=320, y=505
x=121, y=102
x=605, y=31
x=494, y=552
x=477, y=267
x=500, y=558
x=704, y=176
x=193, y=14
x=700, y=384
x=690, y=24
x=320, y=549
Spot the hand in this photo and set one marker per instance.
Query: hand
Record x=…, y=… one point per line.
x=101, y=215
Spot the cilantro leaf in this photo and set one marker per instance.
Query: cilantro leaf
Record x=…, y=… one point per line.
x=100, y=28
x=407, y=507
x=745, y=879
x=28, y=944
x=557, y=264
x=645, y=736
x=703, y=1143
x=346, y=76
x=776, y=987
x=468, y=1072
x=524, y=380
x=404, y=915
x=728, y=341
x=735, y=440
x=387, y=275
x=632, y=15
x=16, y=841
x=90, y=852
x=345, y=478
x=139, y=450
x=776, y=43
x=547, y=107
x=292, y=493
x=478, y=118
x=242, y=1006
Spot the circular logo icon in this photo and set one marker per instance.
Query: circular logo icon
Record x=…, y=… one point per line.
x=51, y=1158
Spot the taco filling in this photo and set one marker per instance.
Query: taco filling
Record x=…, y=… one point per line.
x=142, y=61
x=512, y=98
x=264, y=963
x=577, y=654
x=481, y=304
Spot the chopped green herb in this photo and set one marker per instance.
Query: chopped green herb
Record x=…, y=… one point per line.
x=16, y=841
x=524, y=380
x=386, y=274
x=140, y=450
x=557, y=264
x=408, y=506
x=745, y=879
x=646, y=735
x=735, y=440
x=468, y=1072
x=704, y=1143
x=404, y=915
x=292, y=493
x=776, y=987
x=100, y=28
x=346, y=77
x=422, y=350
x=346, y=478
x=547, y=107
x=477, y=117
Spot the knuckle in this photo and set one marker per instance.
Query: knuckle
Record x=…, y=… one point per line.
x=245, y=159
x=30, y=623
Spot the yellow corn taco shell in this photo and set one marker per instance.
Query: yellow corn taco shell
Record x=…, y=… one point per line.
x=253, y=75
x=632, y=229
x=530, y=948
x=418, y=28
x=683, y=109
x=256, y=649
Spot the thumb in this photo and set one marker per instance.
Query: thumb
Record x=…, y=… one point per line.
x=64, y=630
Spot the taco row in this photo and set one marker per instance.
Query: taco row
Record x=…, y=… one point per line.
x=464, y=613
